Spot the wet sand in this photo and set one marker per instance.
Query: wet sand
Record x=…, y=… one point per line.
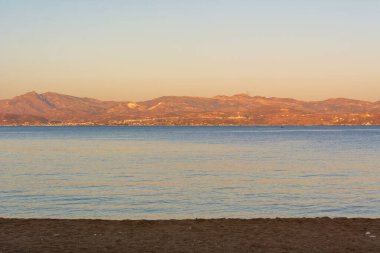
x=200, y=235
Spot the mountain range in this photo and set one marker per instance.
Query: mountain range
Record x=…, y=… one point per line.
x=56, y=109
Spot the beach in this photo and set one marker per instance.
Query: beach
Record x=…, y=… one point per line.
x=197, y=235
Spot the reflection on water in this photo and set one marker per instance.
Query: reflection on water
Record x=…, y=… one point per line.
x=188, y=172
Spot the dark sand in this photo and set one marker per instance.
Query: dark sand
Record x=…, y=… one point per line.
x=216, y=235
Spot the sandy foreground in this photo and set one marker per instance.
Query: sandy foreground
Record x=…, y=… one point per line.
x=200, y=235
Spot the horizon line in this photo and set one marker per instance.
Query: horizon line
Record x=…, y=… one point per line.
x=242, y=94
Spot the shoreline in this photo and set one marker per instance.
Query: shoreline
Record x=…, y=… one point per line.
x=100, y=125
x=191, y=235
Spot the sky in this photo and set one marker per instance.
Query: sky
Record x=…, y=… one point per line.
x=138, y=50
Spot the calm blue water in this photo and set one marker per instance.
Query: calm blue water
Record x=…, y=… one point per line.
x=188, y=172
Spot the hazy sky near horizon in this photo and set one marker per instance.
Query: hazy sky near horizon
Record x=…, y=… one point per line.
x=136, y=50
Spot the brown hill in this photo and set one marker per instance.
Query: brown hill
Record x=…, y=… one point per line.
x=57, y=109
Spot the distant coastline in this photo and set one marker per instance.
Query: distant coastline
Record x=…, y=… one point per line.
x=53, y=109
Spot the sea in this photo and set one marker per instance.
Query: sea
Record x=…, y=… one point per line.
x=121, y=172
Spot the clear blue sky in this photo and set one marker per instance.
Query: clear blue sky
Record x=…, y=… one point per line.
x=136, y=50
